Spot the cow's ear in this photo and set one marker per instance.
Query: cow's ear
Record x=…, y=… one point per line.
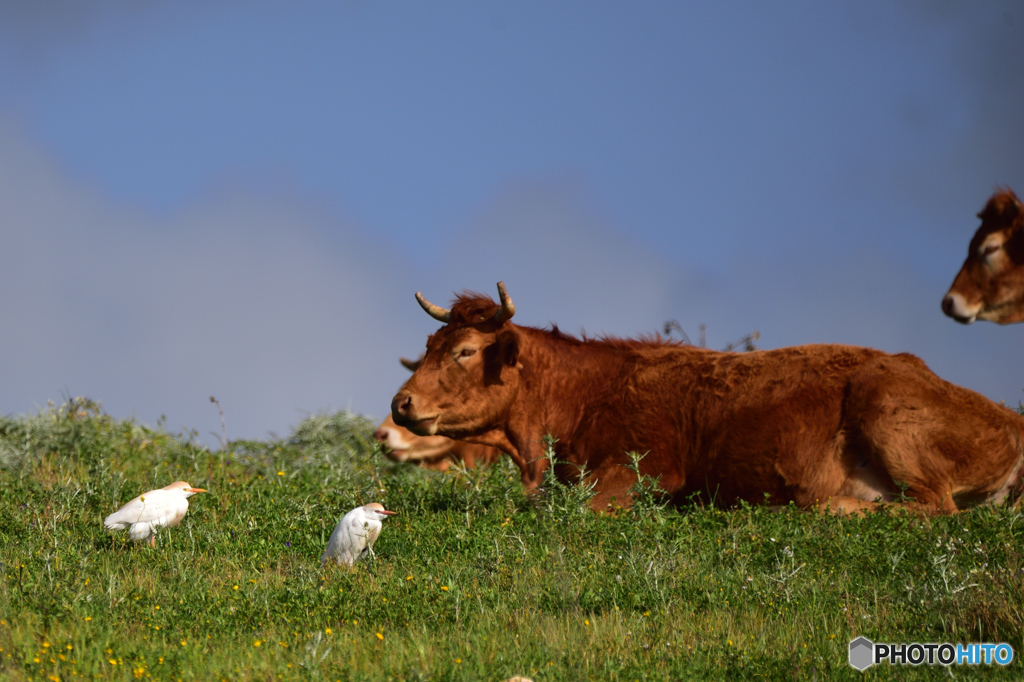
x=508, y=347
x=1013, y=209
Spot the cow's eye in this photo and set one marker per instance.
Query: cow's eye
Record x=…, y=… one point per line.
x=989, y=249
x=467, y=352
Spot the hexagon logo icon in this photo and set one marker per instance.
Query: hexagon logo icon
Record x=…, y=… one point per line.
x=862, y=652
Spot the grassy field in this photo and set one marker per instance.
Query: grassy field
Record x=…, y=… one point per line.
x=472, y=581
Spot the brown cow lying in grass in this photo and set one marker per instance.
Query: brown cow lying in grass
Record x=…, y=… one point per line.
x=825, y=426
x=990, y=285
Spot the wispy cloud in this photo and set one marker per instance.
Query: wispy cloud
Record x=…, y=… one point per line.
x=247, y=298
x=242, y=297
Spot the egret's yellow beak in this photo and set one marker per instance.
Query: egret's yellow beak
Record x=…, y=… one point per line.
x=194, y=490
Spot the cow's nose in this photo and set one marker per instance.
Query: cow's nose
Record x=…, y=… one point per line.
x=381, y=435
x=401, y=406
x=947, y=305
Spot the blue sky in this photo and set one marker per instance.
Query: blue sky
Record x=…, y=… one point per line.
x=239, y=199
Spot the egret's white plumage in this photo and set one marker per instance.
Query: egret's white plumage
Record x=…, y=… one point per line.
x=156, y=509
x=355, y=534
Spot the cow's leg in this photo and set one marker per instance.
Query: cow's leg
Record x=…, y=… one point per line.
x=612, y=484
x=947, y=504
x=855, y=506
x=528, y=452
x=846, y=505
x=935, y=441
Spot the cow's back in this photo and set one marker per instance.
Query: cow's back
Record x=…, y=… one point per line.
x=725, y=426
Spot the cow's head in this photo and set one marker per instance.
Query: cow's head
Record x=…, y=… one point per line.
x=469, y=376
x=990, y=285
x=402, y=445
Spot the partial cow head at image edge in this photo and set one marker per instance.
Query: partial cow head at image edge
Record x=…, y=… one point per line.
x=990, y=284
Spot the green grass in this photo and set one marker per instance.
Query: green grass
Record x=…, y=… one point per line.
x=473, y=580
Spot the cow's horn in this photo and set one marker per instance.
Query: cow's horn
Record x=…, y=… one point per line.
x=507, y=309
x=435, y=311
x=411, y=365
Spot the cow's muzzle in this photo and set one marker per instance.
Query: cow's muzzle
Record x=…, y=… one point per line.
x=956, y=307
x=401, y=408
x=403, y=411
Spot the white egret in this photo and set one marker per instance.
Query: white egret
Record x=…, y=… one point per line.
x=355, y=534
x=156, y=509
